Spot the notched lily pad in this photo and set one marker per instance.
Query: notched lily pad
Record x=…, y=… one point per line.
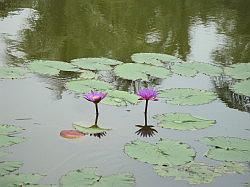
x=89, y=177
x=120, y=98
x=187, y=96
x=155, y=59
x=193, y=68
x=9, y=166
x=132, y=71
x=95, y=63
x=85, y=74
x=19, y=180
x=181, y=121
x=242, y=88
x=42, y=68
x=94, y=129
x=84, y=86
x=7, y=140
x=9, y=129
x=165, y=152
x=238, y=71
x=12, y=72
x=198, y=173
x=227, y=148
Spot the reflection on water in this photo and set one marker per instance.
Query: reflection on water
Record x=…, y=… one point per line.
x=64, y=30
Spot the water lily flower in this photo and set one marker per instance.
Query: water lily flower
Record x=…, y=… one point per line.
x=147, y=94
x=95, y=97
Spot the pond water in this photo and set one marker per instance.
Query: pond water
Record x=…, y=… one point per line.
x=215, y=32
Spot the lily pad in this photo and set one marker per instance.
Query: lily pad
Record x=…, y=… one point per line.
x=120, y=98
x=41, y=68
x=71, y=134
x=88, y=177
x=94, y=129
x=9, y=166
x=2, y=154
x=9, y=129
x=228, y=148
x=238, y=71
x=95, y=63
x=165, y=152
x=197, y=173
x=242, y=88
x=19, y=180
x=181, y=121
x=155, y=59
x=85, y=74
x=12, y=72
x=7, y=140
x=187, y=96
x=84, y=86
x=193, y=68
x=132, y=71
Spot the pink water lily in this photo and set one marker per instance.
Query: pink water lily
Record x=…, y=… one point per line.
x=95, y=97
x=147, y=94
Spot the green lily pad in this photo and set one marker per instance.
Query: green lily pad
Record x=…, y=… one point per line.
x=94, y=129
x=197, y=173
x=187, y=96
x=155, y=59
x=193, y=68
x=9, y=166
x=228, y=148
x=2, y=154
x=95, y=63
x=165, y=152
x=238, y=71
x=88, y=177
x=132, y=71
x=12, y=72
x=41, y=68
x=7, y=140
x=84, y=86
x=58, y=65
x=9, y=129
x=40, y=185
x=242, y=88
x=120, y=98
x=85, y=74
x=180, y=121
x=19, y=180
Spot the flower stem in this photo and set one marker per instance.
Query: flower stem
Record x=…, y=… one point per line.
x=96, y=113
x=146, y=113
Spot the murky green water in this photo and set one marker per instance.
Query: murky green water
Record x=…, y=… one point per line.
x=215, y=31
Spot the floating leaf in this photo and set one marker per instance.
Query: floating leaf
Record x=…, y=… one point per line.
x=180, y=121
x=84, y=86
x=228, y=148
x=19, y=180
x=165, y=152
x=197, y=173
x=6, y=140
x=94, y=129
x=132, y=71
x=9, y=166
x=85, y=74
x=12, y=72
x=9, y=129
x=95, y=63
x=155, y=59
x=71, y=134
x=238, y=71
x=120, y=98
x=187, y=96
x=41, y=68
x=193, y=68
x=242, y=88
x=2, y=154
x=88, y=177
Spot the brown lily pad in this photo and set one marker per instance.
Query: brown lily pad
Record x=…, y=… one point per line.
x=71, y=134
